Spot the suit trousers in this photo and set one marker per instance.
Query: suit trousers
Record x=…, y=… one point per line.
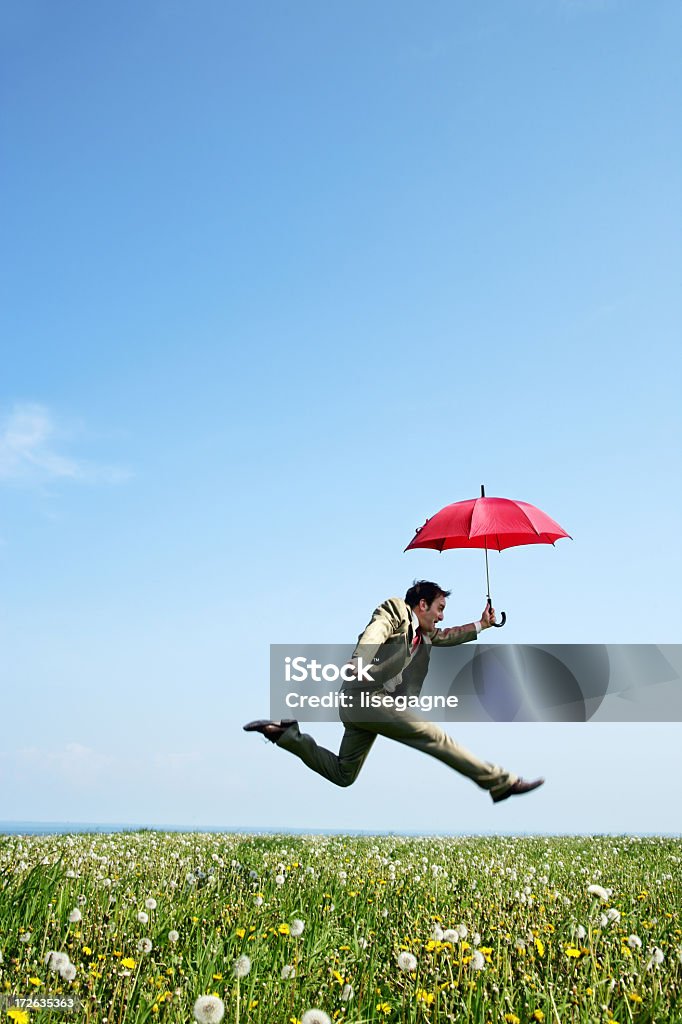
x=404, y=726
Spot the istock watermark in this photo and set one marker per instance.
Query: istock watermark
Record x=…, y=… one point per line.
x=479, y=682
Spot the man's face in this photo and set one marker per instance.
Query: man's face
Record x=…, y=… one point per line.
x=430, y=615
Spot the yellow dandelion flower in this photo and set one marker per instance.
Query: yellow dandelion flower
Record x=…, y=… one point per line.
x=129, y=963
x=35, y=981
x=383, y=1007
x=572, y=951
x=538, y=1015
x=19, y=1016
x=511, y=1018
x=253, y=1004
x=422, y=996
x=634, y=997
x=284, y=929
x=540, y=946
x=217, y=977
x=240, y=932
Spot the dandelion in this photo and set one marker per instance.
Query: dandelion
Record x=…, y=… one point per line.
x=462, y=930
x=580, y=933
x=478, y=961
x=656, y=958
x=613, y=915
x=450, y=935
x=208, y=1009
x=54, y=961
x=18, y=1016
x=173, y=936
x=634, y=942
x=437, y=934
x=150, y=904
x=347, y=993
x=129, y=963
x=67, y=972
x=258, y=901
x=75, y=916
x=598, y=890
x=279, y=879
x=143, y=918
x=288, y=971
x=241, y=968
x=407, y=962
x=315, y=1017
x=144, y=946
x=297, y=927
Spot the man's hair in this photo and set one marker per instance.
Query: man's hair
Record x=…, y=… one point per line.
x=424, y=590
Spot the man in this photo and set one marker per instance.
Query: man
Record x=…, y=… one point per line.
x=396, y=643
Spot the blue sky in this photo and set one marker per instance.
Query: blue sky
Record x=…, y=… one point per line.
x=278, y=283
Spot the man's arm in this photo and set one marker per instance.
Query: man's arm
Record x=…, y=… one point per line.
x=462, y=634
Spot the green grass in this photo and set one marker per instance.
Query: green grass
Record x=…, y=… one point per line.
x=363, y=901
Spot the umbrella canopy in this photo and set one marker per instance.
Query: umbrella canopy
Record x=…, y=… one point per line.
x=491, y=523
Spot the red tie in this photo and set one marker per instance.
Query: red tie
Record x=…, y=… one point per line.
x=417, y=639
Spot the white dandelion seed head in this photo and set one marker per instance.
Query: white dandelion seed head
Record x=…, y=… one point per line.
x=297, y=927
x=67, y=972
x=288, y=971
x=145, y=945
x=462, y=930
x=598, y=890
x=151, y=903
x=258, y=901
x=476, y=941
x=279, y=879
x=54, y=961
x=362, y=942
x=478, y=961
x=407, y=962
x=173, y=936
x=451, y=935
x=657, y=957
x=347, y=993
x=613, y=915
x=437, y=934
x=634, y=942
x=580, y=932
x=75, y=916
x=209, y=1009
x=603, y=921
x=520, y=944
x=315, y=1017
x=242, y=966
x=143, y=918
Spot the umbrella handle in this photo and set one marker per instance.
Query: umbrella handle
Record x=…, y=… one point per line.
x=498, y=625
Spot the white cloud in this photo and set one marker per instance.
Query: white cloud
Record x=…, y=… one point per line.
x=28, y=451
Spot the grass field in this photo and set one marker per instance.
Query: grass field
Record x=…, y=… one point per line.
x=139, y=926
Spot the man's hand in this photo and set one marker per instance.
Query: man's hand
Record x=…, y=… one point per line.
x=488, y=617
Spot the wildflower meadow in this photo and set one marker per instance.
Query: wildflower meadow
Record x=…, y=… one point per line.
x=145, y=926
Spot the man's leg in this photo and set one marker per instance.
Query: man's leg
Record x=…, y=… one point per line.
x=431, y=739
x=343, y=768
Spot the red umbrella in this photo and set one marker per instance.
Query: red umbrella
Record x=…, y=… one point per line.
x=495, y=523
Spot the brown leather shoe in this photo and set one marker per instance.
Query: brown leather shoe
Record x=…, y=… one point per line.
x=271, y=730
x=517, y=788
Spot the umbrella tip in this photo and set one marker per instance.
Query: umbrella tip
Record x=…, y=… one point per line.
x=482, y=491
